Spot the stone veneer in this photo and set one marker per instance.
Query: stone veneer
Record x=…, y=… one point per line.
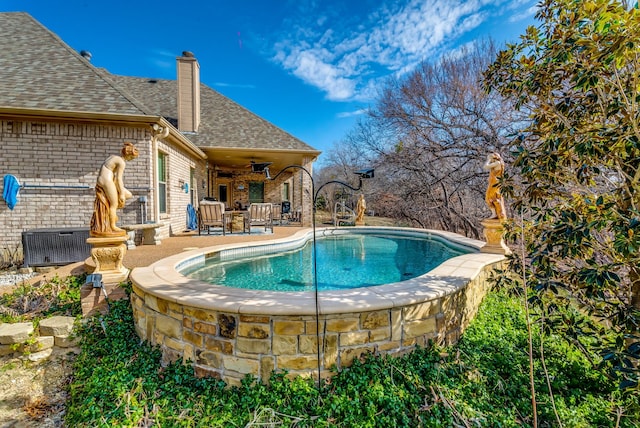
x=229, y=333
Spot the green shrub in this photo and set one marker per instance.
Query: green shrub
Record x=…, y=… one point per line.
x=44, y=299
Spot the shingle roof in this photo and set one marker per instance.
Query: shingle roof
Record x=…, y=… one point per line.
x=223, y=122
x=40, y=71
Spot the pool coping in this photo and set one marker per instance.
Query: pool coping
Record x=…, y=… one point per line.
x=162, y=279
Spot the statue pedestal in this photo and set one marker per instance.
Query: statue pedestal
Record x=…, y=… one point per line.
x=493, y=236
x=107, y=253
x=359, y=222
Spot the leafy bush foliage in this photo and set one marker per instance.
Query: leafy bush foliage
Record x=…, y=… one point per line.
x=47, y=298
x=577, y=188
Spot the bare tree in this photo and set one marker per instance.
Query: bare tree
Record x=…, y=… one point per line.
x=341, y=162
x=429, y=134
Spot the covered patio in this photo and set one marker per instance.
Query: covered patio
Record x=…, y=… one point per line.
x=231, y=179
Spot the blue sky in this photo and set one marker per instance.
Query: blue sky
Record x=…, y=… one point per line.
x=308, y=66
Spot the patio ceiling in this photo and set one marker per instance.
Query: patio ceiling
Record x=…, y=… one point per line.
x=242, y=158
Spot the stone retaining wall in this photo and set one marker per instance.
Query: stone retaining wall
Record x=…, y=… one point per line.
x=230, y=345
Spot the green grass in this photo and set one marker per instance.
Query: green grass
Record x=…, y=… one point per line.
x=483, y=381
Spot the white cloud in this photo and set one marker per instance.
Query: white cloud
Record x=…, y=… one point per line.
x=163, y=53
x=462, y=50
x=347, y=61
x=527, y=13
x=346, y=114
x=162, y=59
x=311, y=67
x=234, y=85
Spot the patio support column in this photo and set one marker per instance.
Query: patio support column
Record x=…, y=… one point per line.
x=307, y=193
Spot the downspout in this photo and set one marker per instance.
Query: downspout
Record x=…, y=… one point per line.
x=208, y=191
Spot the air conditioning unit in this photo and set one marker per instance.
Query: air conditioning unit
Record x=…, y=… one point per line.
x=55, y=247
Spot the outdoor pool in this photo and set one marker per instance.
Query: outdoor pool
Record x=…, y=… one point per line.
x=344, y=261
x=229, y=332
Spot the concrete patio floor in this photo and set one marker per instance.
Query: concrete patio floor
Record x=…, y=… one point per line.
x=144, y=255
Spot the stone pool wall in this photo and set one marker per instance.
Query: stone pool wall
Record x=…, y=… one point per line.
x=231, y=345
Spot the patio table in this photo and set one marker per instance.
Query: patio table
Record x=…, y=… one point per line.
x=232, y=215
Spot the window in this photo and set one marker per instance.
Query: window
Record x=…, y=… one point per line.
x=285, y=192
x=162, y=182
x=256, y=191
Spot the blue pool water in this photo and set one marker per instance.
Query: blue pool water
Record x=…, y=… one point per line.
x=345, y=261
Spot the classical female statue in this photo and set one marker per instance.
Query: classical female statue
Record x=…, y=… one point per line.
x=111, y=194
x=360, y=209
x=493, y=197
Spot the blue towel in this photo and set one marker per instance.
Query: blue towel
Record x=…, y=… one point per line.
x=10, y=192
x=192, y=220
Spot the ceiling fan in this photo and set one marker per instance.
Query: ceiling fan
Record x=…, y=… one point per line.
x=258, y=166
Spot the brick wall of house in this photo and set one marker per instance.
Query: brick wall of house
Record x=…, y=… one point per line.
x=58, y=164
x=273, y=190
x=179, y=166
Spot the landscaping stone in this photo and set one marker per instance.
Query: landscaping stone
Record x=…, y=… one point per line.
x=56, y=326
x=54, y=333
x=15, y=333
x=41, y=343
x=93, y=301
x=14, y=278
x=65, y=341
x=6, y=350
x=39, y=356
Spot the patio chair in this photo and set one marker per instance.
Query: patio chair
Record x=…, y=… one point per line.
x=343, y=215
x=276, y=214
x=259, y=214
x=211, y=214
x=295, y=216
x=285, y=212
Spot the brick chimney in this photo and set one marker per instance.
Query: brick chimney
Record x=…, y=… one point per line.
x=188, y=93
